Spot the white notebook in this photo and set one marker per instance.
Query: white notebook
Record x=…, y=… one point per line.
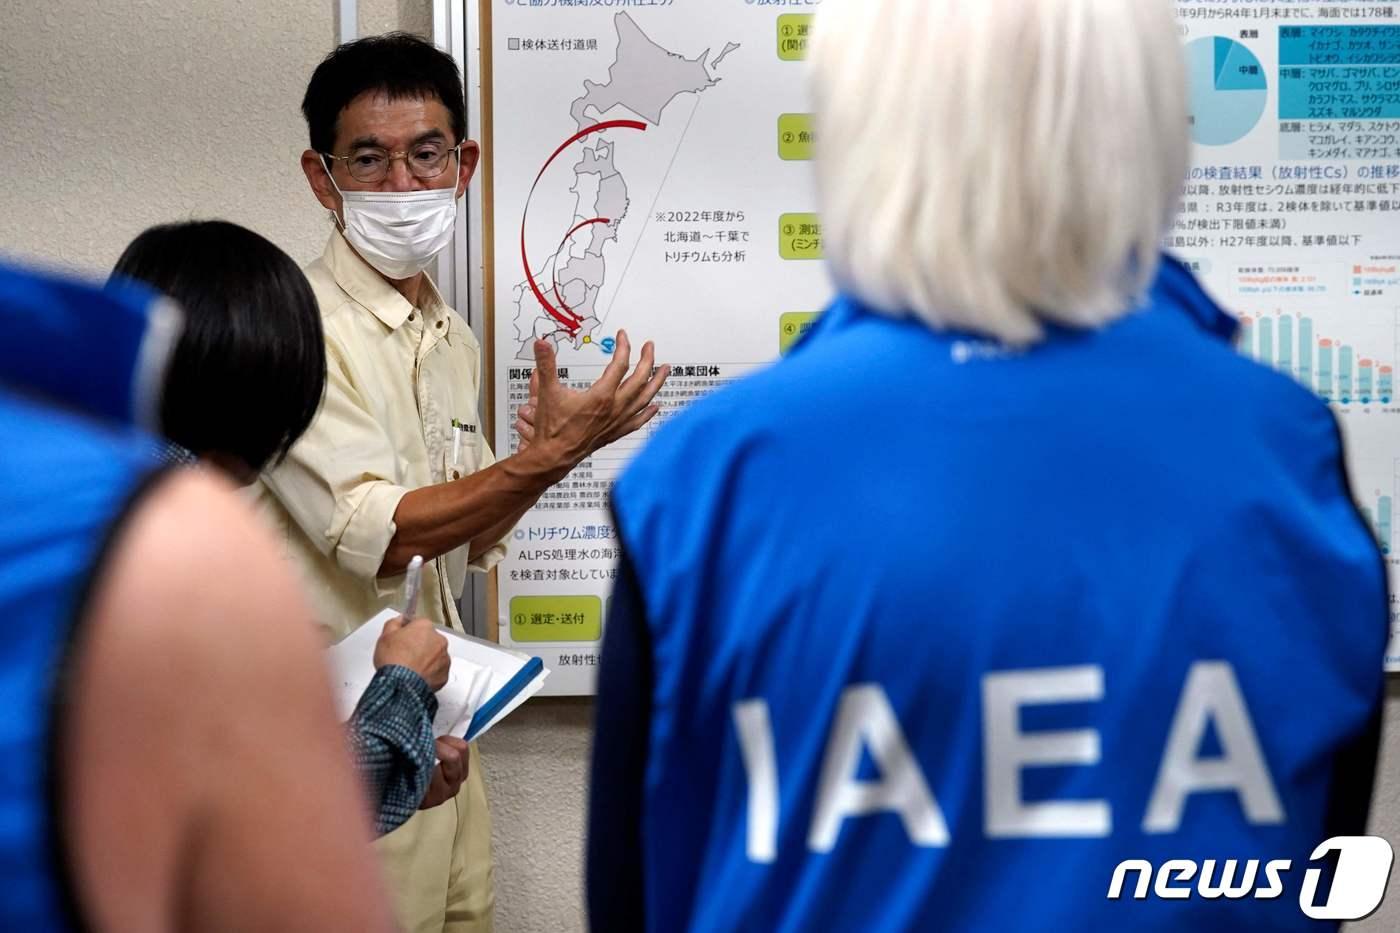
x=484, y=685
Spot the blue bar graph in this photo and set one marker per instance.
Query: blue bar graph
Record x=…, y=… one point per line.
x=1324, y=370
x=1329, y=367
x=1305, y=351
x=1266, y=341
x=1381, y=521
x=1344, y=387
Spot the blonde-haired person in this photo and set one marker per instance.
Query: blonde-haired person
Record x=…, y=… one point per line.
x=1013, y=571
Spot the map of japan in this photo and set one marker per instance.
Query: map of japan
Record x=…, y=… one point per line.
x=566, y=272
x=646, y=157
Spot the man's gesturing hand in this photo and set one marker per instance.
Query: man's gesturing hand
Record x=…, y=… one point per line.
x=568, y=425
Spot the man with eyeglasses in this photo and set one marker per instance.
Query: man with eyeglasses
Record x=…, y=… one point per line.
x=396, y=463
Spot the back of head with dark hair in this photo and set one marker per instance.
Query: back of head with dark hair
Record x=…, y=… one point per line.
x=248, y=373
x=397, y=65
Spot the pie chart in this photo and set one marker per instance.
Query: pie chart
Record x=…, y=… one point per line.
x=1228, y=90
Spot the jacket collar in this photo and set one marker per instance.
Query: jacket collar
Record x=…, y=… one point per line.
x=1176, y=285
x=365, y=285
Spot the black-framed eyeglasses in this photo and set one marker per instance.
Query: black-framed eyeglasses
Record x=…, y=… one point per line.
x=370, y=164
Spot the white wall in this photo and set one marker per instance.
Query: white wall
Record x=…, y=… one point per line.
x=118, y=114
x=537, y=770
x=1385, y=810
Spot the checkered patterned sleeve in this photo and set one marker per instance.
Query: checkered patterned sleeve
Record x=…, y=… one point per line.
x=391, y=735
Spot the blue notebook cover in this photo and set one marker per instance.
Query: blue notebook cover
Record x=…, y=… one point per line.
x=491, y=707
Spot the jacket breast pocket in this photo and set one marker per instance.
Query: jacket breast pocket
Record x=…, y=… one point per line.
x=459, y=460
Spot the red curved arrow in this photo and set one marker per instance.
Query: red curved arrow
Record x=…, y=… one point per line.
x=565, y=242
x=568, y=319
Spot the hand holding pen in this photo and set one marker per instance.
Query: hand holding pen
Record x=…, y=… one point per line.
x=414, y=644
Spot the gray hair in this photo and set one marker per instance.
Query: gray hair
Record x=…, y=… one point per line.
x=993, y=165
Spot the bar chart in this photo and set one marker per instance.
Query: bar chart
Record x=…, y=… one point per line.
x=1341, y=372
x=1379, y=511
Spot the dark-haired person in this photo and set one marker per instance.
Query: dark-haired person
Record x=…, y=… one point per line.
x=243, y=383
x=374, y=481
x=156, y=774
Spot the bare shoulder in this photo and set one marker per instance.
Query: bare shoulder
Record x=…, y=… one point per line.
x=197, y=678
x=195, y=552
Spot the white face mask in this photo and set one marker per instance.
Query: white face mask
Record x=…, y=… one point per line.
x=399, y=232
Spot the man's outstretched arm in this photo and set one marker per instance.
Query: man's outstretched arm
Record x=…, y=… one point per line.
x=568, y=426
